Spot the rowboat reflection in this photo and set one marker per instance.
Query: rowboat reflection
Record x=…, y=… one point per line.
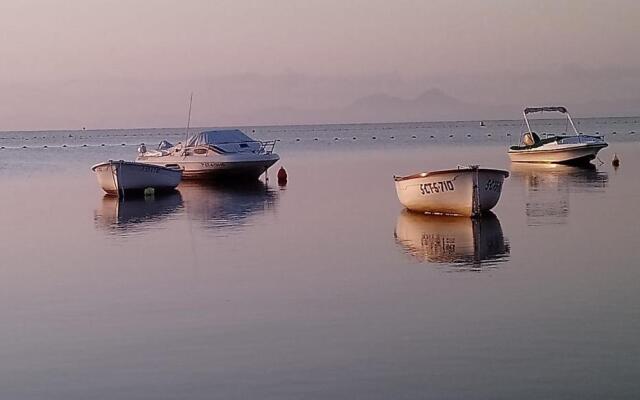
x=225, y=208
x=549, y=187
x=466, y=243
x=131, y=214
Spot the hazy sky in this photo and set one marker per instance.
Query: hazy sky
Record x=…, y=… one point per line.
x=109, y=53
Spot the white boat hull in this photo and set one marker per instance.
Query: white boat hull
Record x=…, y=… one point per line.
x=567, y=154
x=115, y=177
x=241, y=165
x=463, y=191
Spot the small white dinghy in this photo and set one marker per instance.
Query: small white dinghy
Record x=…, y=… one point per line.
x=464, y=191
x=118, y=177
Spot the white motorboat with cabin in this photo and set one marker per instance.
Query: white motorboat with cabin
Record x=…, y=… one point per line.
x=563, y=149
x=118, y=177
x=464, y=191
x=215, y=154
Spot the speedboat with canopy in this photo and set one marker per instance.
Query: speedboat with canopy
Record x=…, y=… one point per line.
x=563, y=149
x=214, y=154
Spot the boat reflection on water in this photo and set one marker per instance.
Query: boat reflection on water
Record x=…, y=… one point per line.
x=470, y=244
x=136, y=213
x=220, y=207
x=549, y=186
x=226, y=206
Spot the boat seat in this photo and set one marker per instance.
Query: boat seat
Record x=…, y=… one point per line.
x=537, y=142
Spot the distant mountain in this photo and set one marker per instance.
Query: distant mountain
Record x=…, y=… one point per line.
x=433, y=104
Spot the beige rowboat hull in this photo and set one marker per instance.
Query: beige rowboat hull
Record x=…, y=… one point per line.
x=463, y=191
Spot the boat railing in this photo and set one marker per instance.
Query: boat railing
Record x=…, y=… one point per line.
x=262, y=148
x=267, y=146
x=579, y=139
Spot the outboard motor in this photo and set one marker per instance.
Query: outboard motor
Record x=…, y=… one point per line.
x=164, y=145
x=531, y=138
x=142, y=148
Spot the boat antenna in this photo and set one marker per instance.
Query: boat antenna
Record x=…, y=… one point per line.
x=186, y=132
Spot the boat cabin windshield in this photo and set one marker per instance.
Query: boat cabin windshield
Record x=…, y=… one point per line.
x=218, y=137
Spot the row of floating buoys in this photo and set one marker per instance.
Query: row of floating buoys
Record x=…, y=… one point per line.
x=63, y=146
x=468, y=135
x=489, y=134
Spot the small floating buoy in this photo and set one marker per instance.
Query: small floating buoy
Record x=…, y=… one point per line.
x=123, y=144
x=374, y=138
x=84, y=145
x=282, y=176
x=616, y=161
x=335, y=138
x=413, y=137
x=64, y=145
x=432, y=136
x=392, y=137
x=297, y=139
x=316, y=139
x=353, y=138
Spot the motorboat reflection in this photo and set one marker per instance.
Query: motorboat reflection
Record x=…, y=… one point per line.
x=465, y=243
x=227, y=206
x=548, y=188
x=224, y=208
x=132, y=214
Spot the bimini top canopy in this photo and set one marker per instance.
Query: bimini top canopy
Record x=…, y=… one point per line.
x=530, y=110
x=218, y=137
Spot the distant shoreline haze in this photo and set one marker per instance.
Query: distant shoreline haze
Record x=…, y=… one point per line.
x=111, y=64
x=295, y=99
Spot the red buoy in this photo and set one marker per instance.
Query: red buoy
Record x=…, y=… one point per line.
x=282, y=176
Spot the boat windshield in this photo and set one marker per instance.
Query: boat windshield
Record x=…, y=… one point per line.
x=218, y=137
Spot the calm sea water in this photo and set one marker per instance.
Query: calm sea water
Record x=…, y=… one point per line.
x=325, y=288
